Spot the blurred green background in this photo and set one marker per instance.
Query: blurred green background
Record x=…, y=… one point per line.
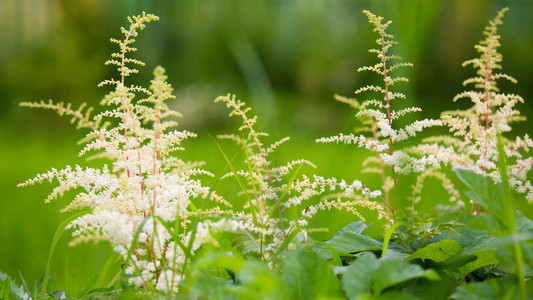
x=285, y=58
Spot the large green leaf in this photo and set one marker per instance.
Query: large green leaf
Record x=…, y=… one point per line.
x=523, y=223
x=483, y=190
x=355, y=227
x=484, y=258
x=438, y=252
x=309, y=276
x=354, y=242
x=357, y=280
x=392, y=272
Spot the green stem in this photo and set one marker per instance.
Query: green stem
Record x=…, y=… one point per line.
x=509, y=211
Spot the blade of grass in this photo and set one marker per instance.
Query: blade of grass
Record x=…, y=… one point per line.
x=195, y=224
x=285, y=192
x=133, y=246
x=57, y=235
x=334, y=254
x=234, y=171
x=388, y=235
x=284, y=245
x=5, y=289
x=107, y=265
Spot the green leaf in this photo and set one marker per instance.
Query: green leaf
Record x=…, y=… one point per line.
x=350, y=242
x=483, y=190
x=523, y=223
x=88, y=286
x=355, y=227
x=486, y=223
x=283, y=194
x=357, y=280
x=484, y=258
x=52, y=286
x=438, y=252
x=481, y=243
x=388, y=235
x=284, y=245
x=5, y=289
x=334, y=255
x=57, y=235
x=218, y=260
x=392, y=272
x=395, y=295
x=309, y=276
x=496, y=288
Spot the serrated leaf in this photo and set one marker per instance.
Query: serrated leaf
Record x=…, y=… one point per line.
x=483, y=190
x=481, y=243
x=486, y=223
x=357, y=280
x=484, y=258
x=438, y=252
x=392, y=272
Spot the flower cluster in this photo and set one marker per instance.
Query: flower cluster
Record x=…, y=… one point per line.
x=271, y=190
x=134, y=199
x=378, y=118
x=473, y=145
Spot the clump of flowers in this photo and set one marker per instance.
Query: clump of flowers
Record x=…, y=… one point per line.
x=139, y=202
x=379, y=117
x=264, y=185
x=473, y=145
x=272, y=190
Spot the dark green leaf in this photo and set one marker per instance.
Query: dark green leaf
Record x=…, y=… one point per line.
x=309, y=276
x=392, y=272
x=438, y=252
x=357, y=280
x=350, y=242
x=396, y=295
x=497, y=288
x=334, y=255
x=484, y=258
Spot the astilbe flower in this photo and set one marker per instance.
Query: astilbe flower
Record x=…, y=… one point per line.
x=143, y=184
x=272, y=190
x=378, y=118
x=473, y=144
